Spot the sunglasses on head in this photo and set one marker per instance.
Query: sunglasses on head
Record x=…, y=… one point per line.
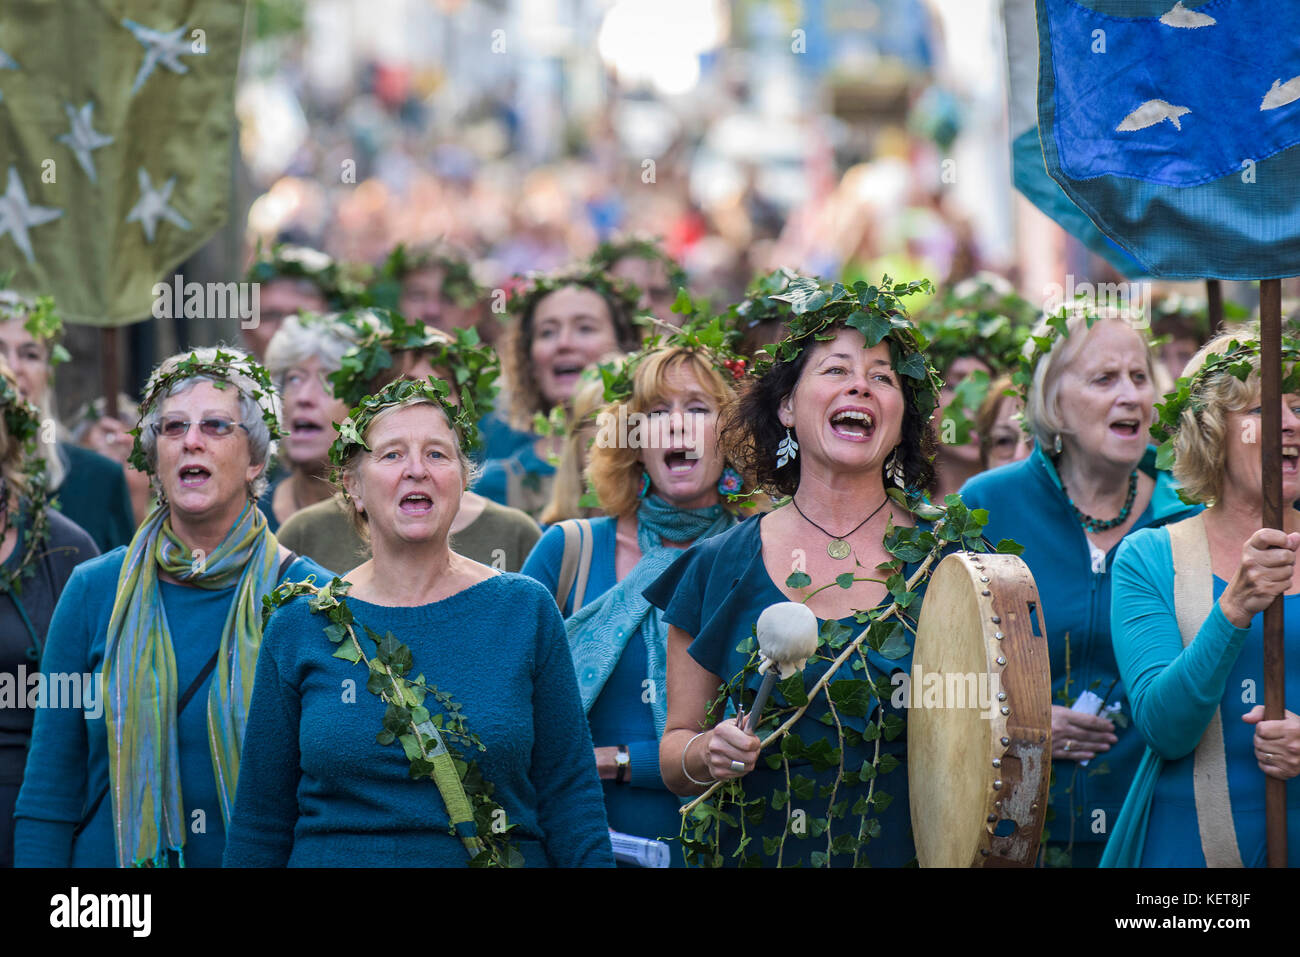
x=215, y=426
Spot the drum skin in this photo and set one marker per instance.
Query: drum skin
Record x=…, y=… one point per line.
x=979, y=727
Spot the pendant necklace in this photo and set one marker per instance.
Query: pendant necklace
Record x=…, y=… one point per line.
x=838, y=548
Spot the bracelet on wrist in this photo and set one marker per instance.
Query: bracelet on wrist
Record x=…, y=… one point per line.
x=703, y=784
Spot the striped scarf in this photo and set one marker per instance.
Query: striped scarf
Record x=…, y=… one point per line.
x=140, y=678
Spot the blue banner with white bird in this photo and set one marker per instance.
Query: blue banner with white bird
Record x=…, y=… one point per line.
x=1175, y=127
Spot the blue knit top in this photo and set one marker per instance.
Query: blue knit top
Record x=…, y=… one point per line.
x=1175, y=692
x=317, y=790
x=67, y=768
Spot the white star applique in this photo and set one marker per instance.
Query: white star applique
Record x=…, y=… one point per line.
x=161, y=48
x=82, y=138
x=153, y=206
x=17, y=215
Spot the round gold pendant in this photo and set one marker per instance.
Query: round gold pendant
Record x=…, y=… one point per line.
x=838, y=549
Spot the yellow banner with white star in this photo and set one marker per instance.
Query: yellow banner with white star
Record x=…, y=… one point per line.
x=116, y=135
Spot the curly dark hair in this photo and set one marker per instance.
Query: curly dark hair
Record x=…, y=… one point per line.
x=516, y=352
x=750, y=429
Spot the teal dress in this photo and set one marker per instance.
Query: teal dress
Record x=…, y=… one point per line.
x=1174, y=694
x=715, y=593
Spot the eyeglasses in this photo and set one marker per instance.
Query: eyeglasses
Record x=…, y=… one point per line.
x=214, y=426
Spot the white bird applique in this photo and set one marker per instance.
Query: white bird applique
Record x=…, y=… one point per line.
x=1180, y=16
x=1151, y=113
x=1280, y=94
x=161, y=48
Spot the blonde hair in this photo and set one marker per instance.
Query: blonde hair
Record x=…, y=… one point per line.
x=566, y=493
x=1200, y=451
x=615, y=468
x=1043, y=405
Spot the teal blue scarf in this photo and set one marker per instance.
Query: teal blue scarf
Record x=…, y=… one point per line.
x=599, y=631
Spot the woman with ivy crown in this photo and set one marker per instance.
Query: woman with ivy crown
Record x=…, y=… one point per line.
x=840, y=423
x=390, y=347
x=87, y=487
x=304, y=351
x=39, y=548
x=563, y=322
x=662, y=485
x=1091, y=480
x=173, y=623
x=462, y=742
x=1188, y=633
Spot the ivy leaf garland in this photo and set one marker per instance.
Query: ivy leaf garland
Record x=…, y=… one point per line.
x=1188, y=394
x=848, y=811
x=407, y=720
x=220, y=368
x=876, y=311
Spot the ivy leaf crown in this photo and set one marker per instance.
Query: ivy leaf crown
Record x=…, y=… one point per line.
x=284, y=261
x=382, y=333
x=222, y=368
x=1189, y=392
x=714, y=337
x=610, y=252
x=352, y=430
x=983, y=317
x=43, y=322
x=458, y=283
x=876, y=311
x=535, y=286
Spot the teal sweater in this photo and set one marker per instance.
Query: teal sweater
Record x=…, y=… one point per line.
x=1174, y=693
x=67, y=768
x=317, y=790
x=1026, y=502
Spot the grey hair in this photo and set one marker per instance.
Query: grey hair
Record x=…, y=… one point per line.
x=1042, y=414
x=260, y=445
x=298, y=339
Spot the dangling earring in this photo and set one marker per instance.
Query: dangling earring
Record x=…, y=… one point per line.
x=645, y=485
x=894, y=471
x=730, y=483
x=1056, y=446
x=787, y=451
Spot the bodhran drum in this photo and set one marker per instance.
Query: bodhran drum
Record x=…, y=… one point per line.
x=979, y=722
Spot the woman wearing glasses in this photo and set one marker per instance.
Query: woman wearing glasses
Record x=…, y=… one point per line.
x=143, y=772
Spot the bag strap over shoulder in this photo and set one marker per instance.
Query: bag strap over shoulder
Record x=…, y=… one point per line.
x=1193, y=601
x=575, y=566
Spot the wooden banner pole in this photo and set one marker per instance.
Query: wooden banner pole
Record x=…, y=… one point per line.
x=1270, y=352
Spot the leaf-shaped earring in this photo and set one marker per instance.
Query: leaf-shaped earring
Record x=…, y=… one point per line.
x=787, y=451
x=894, y=470
x=1056, y=446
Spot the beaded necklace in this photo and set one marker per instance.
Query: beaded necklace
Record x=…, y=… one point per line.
x=1100, y=525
